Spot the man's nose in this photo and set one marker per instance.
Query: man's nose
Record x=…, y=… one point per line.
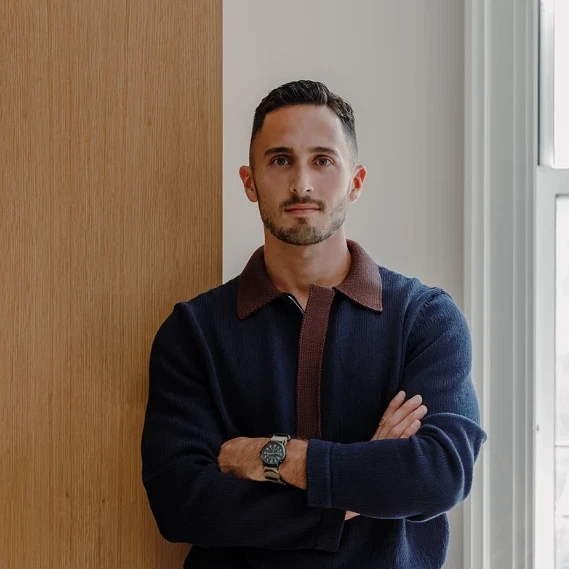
x=301, y=183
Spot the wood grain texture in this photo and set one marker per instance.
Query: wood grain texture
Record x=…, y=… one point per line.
x=110, y=212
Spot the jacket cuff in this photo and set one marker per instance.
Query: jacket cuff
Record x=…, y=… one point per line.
x=330, y=530
x=319, y=495
x=318, y=479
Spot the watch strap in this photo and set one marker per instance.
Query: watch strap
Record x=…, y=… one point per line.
x=272, y=473
x=280, y=438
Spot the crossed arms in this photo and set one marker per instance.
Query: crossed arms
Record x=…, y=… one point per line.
x=204, y=490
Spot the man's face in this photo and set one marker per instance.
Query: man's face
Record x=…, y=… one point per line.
x=303, y=176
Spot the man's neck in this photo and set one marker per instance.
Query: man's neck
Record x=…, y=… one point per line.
x=294, y=269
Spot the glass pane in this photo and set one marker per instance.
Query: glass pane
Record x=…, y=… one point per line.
x=561, y=85
x=562, y=383
x=562, y=321
x=562, y=543
x=562, y=481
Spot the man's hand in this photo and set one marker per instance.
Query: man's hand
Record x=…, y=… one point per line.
x=240, y=458
x=400, y=421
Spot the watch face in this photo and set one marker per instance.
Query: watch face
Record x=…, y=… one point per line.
x=273, y=453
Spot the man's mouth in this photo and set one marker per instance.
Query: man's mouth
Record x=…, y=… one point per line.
x=302, y=208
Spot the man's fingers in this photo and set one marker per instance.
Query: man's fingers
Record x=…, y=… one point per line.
x=400, y=428
x=394, y=404
x=411, y=430
x=397, y=415
x=406, y=409
x=350, y=515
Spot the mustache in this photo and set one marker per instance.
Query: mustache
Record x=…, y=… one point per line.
x=302, y=201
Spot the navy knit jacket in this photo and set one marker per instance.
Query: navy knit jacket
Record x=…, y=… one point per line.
x=245, y=360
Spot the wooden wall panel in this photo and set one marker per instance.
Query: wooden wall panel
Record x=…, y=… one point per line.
x=110, y=212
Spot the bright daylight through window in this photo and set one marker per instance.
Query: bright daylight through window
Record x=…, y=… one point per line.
x=552, y=292
x=561, y=84
x=562, y=384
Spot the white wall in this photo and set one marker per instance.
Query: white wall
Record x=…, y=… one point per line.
x=400, y=64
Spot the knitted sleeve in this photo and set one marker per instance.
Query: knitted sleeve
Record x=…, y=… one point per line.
x=428, y=474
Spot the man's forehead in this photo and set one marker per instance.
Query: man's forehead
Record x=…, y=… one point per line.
x=302, y=127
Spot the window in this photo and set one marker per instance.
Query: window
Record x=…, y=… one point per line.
x=554, y=83
x=562, y=382
x=552, y=292
x=561, y=83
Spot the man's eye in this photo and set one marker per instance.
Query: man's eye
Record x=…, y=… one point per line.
x=324, y=162
x=280, y=161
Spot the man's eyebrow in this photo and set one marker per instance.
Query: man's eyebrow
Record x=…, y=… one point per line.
x=323, y=150
x=288, y=150
x=279, y=150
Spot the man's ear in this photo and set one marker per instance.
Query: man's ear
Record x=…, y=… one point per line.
x=246, y=175
x=357, y=183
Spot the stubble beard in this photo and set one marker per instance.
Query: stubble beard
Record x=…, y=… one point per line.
x=302, y=233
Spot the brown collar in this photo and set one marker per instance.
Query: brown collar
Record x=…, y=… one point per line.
x=362, y=283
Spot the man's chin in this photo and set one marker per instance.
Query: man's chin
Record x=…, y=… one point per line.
x=299, y=240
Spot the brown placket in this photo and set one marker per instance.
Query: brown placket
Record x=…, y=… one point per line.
x=362, y=285
x=310, y=354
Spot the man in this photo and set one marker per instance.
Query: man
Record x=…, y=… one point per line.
x=261, y=445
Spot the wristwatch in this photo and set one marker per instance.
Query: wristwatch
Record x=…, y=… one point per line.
x=272, y=456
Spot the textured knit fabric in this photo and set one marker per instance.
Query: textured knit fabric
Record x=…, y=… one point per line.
x=222, y=368
x=362, y=284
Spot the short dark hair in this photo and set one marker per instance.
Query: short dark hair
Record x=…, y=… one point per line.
x=306, y=92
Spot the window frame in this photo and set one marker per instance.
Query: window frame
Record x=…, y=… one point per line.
x=501, y=142
x=509, y=223
x=551, y=183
